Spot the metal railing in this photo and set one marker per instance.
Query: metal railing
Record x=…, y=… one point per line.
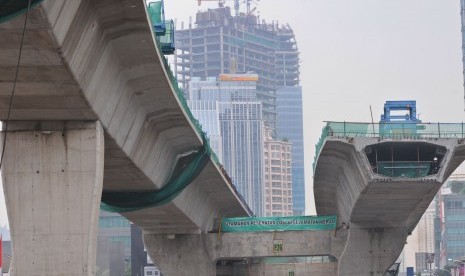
x=410, y=169
x=391, y=130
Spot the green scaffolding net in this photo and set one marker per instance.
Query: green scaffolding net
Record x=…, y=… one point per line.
x=155, y=10
x=12, y=8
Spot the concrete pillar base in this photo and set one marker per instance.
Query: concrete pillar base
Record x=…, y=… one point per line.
x=52, y=178
x=180, y=255
x=371, y=251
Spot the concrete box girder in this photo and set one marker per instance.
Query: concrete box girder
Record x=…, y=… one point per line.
x=345, y=184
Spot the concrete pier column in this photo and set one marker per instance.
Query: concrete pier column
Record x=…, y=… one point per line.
x=371, y=251
x=52, y=176
x=180, y=255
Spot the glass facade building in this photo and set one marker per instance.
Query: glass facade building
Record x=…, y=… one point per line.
x=290, y=127
x=242, y=128
x=454, y=222
x=232, y=118
x=113, y=245
x=450, y=221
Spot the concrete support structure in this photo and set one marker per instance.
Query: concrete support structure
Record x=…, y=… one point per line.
x=381, y=210
x=371, y=250
x=52, y=174
x=198, y=254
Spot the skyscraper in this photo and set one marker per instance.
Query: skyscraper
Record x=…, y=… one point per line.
x=289, y=127
x=221, y=43
x=231, y=116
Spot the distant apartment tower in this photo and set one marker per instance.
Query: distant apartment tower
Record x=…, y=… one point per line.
x=421, y=243
x=221, y=43
x=278, y=177
x=424, y=231
x=232, y=117
x=425, y=241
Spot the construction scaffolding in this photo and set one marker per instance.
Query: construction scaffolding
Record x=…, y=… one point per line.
x=221, y=43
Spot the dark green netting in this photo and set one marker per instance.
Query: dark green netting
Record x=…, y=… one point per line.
x=187, y=168
x=155, y=10
x=12, y=8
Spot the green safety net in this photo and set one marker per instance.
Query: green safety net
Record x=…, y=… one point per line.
x=404, y=169
x=187, y=168
x=12, y=8
x=155, y=10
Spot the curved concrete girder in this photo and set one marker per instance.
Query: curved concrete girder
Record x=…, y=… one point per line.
x=102, y=63
x=345, y=184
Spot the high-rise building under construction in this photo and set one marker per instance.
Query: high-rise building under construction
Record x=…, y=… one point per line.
x=220, y=43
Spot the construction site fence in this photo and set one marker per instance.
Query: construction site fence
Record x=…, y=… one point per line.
x=389, y=131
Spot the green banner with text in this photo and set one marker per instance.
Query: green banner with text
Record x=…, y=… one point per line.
x=250, y=224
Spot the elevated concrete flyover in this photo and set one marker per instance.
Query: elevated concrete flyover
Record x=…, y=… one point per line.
x=94, y=109
x=380, y=183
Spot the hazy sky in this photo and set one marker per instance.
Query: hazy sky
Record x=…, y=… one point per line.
x=357, y=53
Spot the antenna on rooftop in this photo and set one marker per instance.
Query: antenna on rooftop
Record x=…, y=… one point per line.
x=249, y=4
x=372, y=121
x=221, y=4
